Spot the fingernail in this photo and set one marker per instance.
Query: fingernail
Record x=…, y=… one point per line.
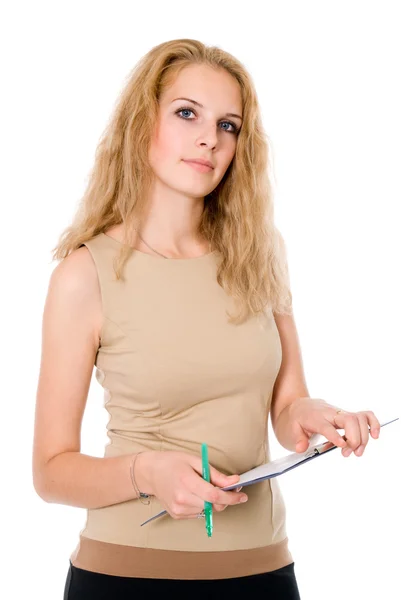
x=244, y=498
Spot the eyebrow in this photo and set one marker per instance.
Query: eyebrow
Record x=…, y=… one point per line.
x=201, y=106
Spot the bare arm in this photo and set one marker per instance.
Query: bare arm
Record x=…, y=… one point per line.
x=90, y=482
x=290, y=383
x=70, y=338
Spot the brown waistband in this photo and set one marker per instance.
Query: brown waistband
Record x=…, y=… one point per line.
x=131, y=561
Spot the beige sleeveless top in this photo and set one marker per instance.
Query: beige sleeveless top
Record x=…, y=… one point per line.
x=175, y=374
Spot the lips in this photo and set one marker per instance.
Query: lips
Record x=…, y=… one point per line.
x=200, y=161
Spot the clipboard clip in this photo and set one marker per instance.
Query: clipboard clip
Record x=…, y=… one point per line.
x=320, y=449
x=312, y=454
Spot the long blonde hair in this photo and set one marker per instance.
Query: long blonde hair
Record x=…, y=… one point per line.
x=238, y=216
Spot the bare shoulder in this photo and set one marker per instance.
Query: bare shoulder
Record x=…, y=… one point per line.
x=75, y=269
x=74, y=284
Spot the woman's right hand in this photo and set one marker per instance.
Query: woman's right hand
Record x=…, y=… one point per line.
x=175, y=478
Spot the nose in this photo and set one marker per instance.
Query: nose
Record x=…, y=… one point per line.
x=208, y=137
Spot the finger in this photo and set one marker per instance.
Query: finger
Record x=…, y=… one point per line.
x=350, y=423
x=195, y=511
x=374, y=431
x=373, y=423
x=217, y=478
x=353, y=431
x=220, y=479
x=332, y=434
x=216, y=508
x=196, y=507
x=212, y=489
x=185, y=504
x=219, y=507
x=207, y=492
x=364, y=430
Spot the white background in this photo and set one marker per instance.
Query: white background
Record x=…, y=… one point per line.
x=328, y=84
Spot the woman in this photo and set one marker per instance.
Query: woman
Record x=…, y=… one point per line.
x=174, y=283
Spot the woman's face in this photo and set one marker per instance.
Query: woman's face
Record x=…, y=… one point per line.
x=188, y=131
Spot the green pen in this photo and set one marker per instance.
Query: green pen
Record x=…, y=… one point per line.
x=208, y=505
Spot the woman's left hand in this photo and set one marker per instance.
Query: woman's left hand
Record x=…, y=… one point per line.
x=307, y=416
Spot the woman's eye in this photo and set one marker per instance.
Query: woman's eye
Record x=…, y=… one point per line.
x=186, y=110
x=234, y=127
x=189, y=110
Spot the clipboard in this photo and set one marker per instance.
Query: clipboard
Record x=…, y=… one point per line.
x=277, y=467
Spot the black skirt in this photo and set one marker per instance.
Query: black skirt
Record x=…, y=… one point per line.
x=80, y=584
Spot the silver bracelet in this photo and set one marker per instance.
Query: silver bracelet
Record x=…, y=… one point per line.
x=141, y=495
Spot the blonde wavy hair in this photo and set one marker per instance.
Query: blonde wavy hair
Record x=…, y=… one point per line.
x=238, y=215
